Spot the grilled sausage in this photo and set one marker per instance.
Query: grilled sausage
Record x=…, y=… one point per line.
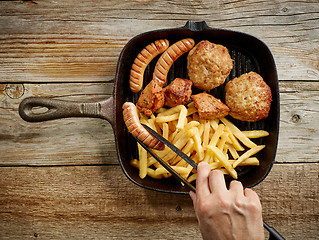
x=142, y=60
x=166, y=60
x=134, y=126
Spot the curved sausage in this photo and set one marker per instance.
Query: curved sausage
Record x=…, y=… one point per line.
x=134, y=126
x=142, y=60
x=167, y=59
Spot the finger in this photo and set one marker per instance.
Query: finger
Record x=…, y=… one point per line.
x=236, y=187
x=251, y=194
x=193, y=197
x=202, y=187
x=217, y=181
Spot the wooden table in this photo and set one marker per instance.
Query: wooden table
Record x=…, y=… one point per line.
x=61, y=179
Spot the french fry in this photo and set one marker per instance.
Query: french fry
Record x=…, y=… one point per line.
x=167, y=118
x=191, y=111
x=245, y=140
x=188, y=126
x=223, y=160
x=214, y=124
x=192, y=177
x=143, y=161
x=252, y=161
x=256, y=133
x=165, y=131
x=150, y=172
x=222, y=140
x=213, y=141
x=171, y=111
x=198, y=144
x=206, y=134
x=182, y=117
x=232, y=151
x=247, y=154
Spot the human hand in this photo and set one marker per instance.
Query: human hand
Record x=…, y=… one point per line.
x=226, y=214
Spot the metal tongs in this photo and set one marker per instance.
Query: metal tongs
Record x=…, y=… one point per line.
x=273, y=234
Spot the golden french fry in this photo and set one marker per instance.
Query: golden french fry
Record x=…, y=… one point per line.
x=182, y=117
x=216, y=135
x=232, y=151
x=206, y=134
x=165, y=131
x=213, y=141
x=203, y=140
x=143, y=161
x=223, y=160
x=192, y=177
x=171, y=111
x=245, y=140
x=214, y=124
x=167, y=118
x=191, y=111
x=222, y=141
x=188, y=126
x=256, y=133
x=150, y=172
x=234, y=141
x=198, y=145
x=247, y=154
x=253, y=161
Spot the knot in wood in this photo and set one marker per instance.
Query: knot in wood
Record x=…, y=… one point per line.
x=14, y=91
x=295, y=118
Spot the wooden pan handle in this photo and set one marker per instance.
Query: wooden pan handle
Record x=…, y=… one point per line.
x=56, y=109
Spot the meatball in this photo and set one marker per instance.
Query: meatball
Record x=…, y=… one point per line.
x=178, y=92
x=209, y=107
x=208, y=65
x=151, y=99
x=248, y=97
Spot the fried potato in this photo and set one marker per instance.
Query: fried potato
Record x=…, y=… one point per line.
x=218, y=142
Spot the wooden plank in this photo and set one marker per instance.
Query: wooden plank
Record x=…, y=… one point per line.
x=98, y=202
x=78, y=141
x=299, y=135
x=51, y=42
x=74, y=141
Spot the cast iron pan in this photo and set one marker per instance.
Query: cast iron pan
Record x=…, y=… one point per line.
x=248, y=53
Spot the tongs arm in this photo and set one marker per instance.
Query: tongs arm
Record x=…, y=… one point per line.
x=166, y=166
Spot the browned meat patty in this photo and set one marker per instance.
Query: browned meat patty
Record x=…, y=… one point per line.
x=208, y=65
x=209, y=107
x=178, y=92
x=248, y=97
x=151, y=99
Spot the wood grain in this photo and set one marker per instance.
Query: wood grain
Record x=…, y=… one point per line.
x=82, y=141
x=61, y=179
x=98, y=202
x=51, y=42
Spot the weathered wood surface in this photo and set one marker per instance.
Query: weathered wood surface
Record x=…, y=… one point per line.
x=98, y=202
x=69, y=50
x=60, y=41
x=82, y=141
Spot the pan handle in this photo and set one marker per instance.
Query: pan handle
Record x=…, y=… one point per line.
x=196, y=26
x=273, y=234
x=56, y=109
